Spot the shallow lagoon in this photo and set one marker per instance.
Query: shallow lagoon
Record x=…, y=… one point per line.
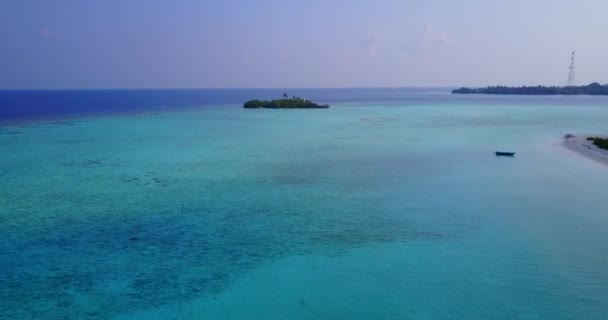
x=392, y=210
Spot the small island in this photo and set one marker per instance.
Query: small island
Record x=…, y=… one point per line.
x=593, y=147
x=591, y=89
x=601, y=143
x=285, y=103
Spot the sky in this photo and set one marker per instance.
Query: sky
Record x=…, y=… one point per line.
x=74, y=44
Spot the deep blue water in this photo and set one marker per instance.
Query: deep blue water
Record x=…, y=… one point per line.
x=16, y=105
x=31, y=105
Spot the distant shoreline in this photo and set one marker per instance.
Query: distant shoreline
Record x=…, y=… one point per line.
x=591, y=89
x=581, y=145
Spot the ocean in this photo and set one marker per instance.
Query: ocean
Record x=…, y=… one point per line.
x=179, y=204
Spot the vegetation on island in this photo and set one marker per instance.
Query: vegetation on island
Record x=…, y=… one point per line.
x=602, y=143
x=591, y=89
x=285, y=103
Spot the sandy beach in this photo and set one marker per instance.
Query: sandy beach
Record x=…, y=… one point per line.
x=585, y=147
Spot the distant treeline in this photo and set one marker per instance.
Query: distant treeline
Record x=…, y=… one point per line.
x=592, y=89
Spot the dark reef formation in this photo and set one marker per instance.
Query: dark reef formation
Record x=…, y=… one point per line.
x=591, y=89
x=153, y=254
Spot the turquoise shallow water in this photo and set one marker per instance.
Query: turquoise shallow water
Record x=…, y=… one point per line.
x=363, y=211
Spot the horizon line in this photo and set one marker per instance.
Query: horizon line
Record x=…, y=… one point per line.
x=274, y=88
x=227, y=88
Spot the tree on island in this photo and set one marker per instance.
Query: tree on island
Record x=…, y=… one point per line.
x=294, y=103
x=600, y=142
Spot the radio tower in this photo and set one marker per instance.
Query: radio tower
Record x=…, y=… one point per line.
x=571, y=72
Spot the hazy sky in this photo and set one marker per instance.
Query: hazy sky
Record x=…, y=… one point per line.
x=308, y=43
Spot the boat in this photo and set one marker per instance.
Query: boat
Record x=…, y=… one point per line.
x=505, y=154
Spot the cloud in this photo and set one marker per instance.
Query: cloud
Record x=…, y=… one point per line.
x=371, y=43
x=437, y=35
x=427, y=40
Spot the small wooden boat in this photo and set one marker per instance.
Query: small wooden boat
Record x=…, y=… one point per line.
x=505, y=154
